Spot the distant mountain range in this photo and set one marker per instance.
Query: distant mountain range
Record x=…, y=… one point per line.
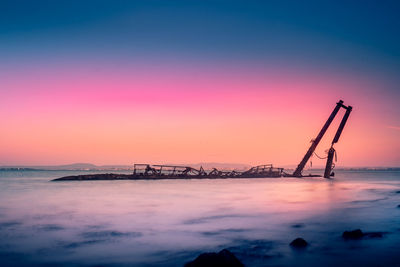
x=74, y=166
x=89, y=166
x=205, y=165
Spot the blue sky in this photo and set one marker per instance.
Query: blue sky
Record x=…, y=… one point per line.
x=358, y=32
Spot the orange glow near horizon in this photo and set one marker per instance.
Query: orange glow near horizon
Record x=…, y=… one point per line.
x=188, y=116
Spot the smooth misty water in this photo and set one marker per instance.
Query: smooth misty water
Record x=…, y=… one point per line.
x=167, y=223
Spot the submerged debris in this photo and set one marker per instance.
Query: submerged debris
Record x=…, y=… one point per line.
x=224, y=258
x=358, y=234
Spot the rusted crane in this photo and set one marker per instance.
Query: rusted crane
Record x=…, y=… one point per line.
x=148, y=171
x=315, y=142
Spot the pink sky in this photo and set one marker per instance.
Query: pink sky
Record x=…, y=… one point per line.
x=190, y=114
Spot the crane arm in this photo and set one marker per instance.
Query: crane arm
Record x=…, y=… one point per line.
x=331, y=152
x=315, y=142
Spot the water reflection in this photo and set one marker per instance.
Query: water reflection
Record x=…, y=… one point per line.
x=169, y=222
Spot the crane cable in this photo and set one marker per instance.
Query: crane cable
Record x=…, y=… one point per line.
x=320, y=156
x=314, y=153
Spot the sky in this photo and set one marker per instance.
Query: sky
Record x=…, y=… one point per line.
x=123, y=82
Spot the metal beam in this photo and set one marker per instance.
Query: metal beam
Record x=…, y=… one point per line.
x=316, y=141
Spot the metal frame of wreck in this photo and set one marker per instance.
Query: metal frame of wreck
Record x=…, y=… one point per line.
x=267, y=170
x=176, y=171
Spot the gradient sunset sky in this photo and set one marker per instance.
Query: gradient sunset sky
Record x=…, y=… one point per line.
x=118, y=82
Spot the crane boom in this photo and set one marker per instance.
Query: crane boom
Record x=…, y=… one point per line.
x=342, y=124
x=331, y=152
x=315, y=142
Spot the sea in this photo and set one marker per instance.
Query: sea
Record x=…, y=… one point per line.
x=171, y=222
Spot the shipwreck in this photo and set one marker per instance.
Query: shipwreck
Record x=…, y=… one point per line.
x=149, y=172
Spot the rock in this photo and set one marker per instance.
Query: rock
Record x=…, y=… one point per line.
x=224, y=258
x=398, y=206
x=355, y=234
x=298, y=225
x=358, y=234
x=299, y=243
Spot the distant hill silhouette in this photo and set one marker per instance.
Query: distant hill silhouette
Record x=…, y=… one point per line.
x=205, y=165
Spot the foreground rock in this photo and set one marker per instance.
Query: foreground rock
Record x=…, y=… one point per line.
x=299, y=243
x=355, y=234
x=224, y=258
x=358, y=234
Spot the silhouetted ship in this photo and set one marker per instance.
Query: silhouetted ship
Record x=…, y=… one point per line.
x=148, y=171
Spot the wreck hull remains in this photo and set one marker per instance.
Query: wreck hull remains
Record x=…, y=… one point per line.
x=113, y=176
x=157, y=172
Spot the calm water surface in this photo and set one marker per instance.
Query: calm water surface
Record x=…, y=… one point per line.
x=167, y=223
